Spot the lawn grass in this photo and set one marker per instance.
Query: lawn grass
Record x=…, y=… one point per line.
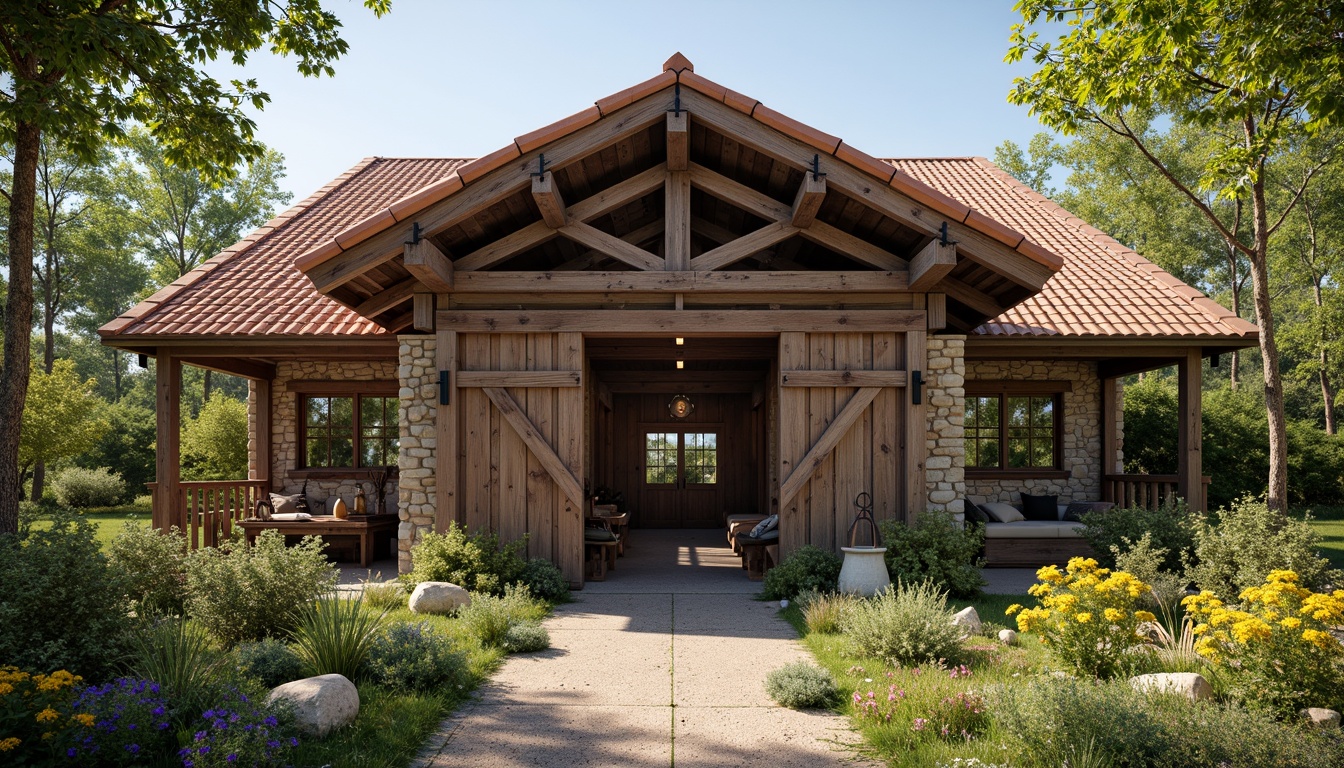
x=1328, y=522
x=107, y=521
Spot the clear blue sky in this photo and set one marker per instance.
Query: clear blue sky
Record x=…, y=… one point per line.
x=444, y=78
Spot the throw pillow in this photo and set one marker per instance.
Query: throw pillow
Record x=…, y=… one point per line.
x=974, y=514
x=285, y=505
x=1076, y=510
x=1002, y=513
x=767, y=524
x=1040, y=507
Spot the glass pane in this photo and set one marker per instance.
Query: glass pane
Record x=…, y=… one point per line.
x=1042, y=411
x=316, y=453
x=370, y=412
x=370, y=453
x=660, y=457
x=987, y=412
x=1019, y=411
x=987, y=452
x=1043, y=452
x=702, y=457
x=318, y=411
x=391, y=450
x=342, y=452
x=1019, y=452
x=342, y=412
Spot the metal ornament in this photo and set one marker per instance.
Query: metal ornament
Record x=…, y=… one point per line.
x=680, y=407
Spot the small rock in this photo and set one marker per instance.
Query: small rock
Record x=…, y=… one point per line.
x=1321, y=717
x=783, y=603
x=438, y=597
x=968, y=619
x=321, y=704
x=1191, y=685
x=1008, y=636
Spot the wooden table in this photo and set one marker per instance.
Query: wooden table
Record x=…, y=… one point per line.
x=370, y=530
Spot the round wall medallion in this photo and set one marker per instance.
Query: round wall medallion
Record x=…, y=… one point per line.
x=681, y=407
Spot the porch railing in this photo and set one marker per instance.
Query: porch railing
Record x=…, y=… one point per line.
x=1143, y=491
x=205, y=511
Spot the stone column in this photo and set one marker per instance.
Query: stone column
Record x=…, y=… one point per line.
x=419, y=394
x=945, y=393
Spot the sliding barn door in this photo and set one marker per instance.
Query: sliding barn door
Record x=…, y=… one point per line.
x=520, y=436
x=846, y=426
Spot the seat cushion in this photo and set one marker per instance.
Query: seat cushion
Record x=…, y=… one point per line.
x=598, y=535
x=1034, y=529
x=769, y=537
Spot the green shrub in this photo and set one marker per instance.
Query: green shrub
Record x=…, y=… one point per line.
x=268, y=660
x=1247, y=543
x=246, y=592
x=333, y=636
x=1145, y=562
x=477, y=563
x=809, y=567
x=526, y=637
x=544, y=580
x=128, y=447
x=1168, y=528
x=179, y=656
x=61, y=605
x=489, y=617
x=82, y=488
x=385, y=596
x=906, y=624
x=214, y=444
x=801, y=686
x=413, y=657
x=154, y=567
x=935, y=549
x=825, y=613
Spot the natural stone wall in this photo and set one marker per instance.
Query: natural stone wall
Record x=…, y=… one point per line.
x=285, y=424
x=945, y=411
x=419, y=395
x=1082, y=430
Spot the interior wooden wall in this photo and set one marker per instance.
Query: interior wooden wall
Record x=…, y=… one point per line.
x=870, y=456
x=503, y=486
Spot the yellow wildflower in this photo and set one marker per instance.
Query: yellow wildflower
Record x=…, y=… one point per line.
x=1322, y=640
x=85, y=719
x=6, y=688
x=1083, y=618
x=1014, y=608
x=1113, y=615
x=47, y=715
x=10, y=743
x=1145, y=616
x=1050, y=574
x=1290, y=622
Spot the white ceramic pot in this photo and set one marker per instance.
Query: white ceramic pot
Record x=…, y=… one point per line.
x=864, y=571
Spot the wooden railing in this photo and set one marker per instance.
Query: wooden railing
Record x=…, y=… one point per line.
x=206, y=510
x=1143, y=491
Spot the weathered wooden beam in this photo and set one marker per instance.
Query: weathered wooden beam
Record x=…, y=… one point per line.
x=546, y=455
x=167, y=510
x=811, y=194
x=520, y=378
x=842, y=378
x=933, y=262
x=727, y=322
x=446, y=436
x=548, y=200
x=260, y=466
x=678, y=141
x=959, y=291
x=588, y=259
x=422, y=310
x=389, y=298
x=846, y=244
x=916, y=428
x=611, y=245
x=429, y=265
x=1190, y=437
x=740, y=195
x=506, y=247
x=677, y=221
x=742, y=247
x=936, y=305
x=248, y=369
x=708, y=229
x=803, y=469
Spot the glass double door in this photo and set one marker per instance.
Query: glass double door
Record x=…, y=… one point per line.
x=680, y=485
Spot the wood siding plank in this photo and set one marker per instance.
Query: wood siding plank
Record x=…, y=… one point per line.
x=916, y=430
x=447, y=459
x=792, y=442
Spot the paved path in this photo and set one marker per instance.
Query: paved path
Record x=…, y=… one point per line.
x=663, y=664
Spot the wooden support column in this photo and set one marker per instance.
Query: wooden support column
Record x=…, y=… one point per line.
x=429, y=265
x=677, y=218
x=932, y=264
x=261, y=426
x=811, y=194
x=422, y=311
x=1190, y=441
x=168, y=452
x=678, y=141
x=548, y=200
x=445, y=435
x=916, y=430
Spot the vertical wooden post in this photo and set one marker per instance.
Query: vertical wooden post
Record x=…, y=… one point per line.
x=261, y=391
x=445, y=434
x=1190, y=442
x=677, y=221
x=916, y=428
x=791, y=430
x=570, y=512
x=1109, y=444
x=168, y=453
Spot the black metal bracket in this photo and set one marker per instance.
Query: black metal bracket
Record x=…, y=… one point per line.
x=443, y=388
x=942, y=235
x=676, y=100
x=541, y=165
x=816, y=168
x=916, y=387
x=415, y=233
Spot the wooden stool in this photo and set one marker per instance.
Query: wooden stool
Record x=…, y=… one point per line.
x=601, y=557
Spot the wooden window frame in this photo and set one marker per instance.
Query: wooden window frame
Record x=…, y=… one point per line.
x=306, y=388
x=1003, y=390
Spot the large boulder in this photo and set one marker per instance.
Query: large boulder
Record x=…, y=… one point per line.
x=321, y=704
x=438, y=597
x=1191, y=685
x=968, y=620
x=1321, y=717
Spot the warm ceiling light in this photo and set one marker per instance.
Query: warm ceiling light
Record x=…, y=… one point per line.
x=681, y=364
x=680, y=341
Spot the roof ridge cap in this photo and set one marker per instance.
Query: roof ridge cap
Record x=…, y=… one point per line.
x=146, y=307
x=1141, y=265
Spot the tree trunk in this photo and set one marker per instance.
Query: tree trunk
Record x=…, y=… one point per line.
x=205, y=388
x=48, y=362
x=1327, y=389
x=1269, y=351
x=1236, y=309
x=18, y=320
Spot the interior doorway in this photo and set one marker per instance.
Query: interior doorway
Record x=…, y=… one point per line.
x=684, y=445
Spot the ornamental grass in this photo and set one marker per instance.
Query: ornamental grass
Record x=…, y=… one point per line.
x=334, y=636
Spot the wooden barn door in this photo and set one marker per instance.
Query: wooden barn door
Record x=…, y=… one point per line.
x=846, y=426
x=520, y=438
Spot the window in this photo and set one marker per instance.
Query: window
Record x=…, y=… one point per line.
x=702, y=458
x=342, y=428
x=1014, y=426
x=660, y=457
x=677, y=458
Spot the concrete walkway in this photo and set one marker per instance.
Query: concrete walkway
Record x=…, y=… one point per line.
x=663, y=664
